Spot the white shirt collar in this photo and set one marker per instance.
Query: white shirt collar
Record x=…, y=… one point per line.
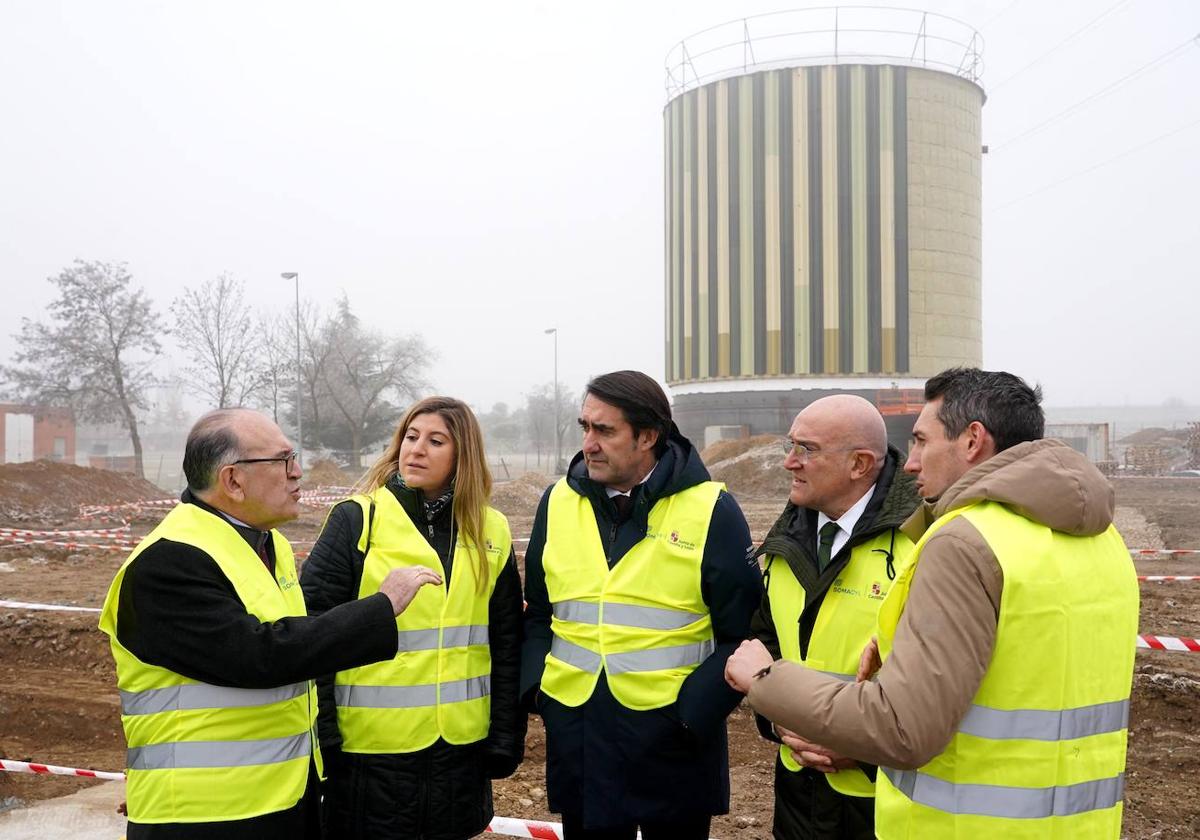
x=612, y=491
x=850, y=518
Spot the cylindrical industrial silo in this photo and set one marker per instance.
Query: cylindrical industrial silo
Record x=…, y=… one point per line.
x=822, y=218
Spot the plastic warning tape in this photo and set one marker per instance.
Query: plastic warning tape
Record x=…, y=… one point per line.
x=21, y=605
x=59, y=544
x=101, y=533
x=1161, y=578
x=525, y=828
x=1169, y=643
x=52, y=770
x=1170, y=552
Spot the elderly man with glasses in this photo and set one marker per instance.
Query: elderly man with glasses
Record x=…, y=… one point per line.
x=829, y=560
x=215, y=655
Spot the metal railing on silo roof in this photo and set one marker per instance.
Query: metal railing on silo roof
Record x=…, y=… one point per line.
x=825, y=35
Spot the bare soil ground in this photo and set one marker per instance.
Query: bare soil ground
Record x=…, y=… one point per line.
x=58, y=701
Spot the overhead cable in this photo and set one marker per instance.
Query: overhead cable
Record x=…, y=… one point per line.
x=1169, y=55
x=1099, y=165
x=1063, y=42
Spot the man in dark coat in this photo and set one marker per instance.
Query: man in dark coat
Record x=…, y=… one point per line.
x=174, y=607
x=830, y=560
x=611, y=768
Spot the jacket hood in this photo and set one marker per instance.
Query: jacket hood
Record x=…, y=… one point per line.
x=1043, y=480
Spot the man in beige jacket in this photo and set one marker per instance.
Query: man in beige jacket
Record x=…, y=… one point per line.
x=931, y=715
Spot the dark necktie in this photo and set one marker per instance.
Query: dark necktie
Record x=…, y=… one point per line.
x=263, y=555
x=829, y=532
x=624, y=505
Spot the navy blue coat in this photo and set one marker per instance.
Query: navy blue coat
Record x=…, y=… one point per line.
x=614, y=766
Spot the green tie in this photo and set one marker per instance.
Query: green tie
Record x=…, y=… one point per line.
x=825, y=545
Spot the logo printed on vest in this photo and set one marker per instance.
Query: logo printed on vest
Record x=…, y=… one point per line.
x=673, y=538
x=876, y=592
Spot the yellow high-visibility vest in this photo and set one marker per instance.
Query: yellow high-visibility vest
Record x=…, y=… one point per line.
x=845, y=623
x=1041, y=751
x=439, y=682
x=208, y=753
x=644, y=621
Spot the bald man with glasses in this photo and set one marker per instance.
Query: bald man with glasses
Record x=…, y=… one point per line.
x=214, y=652
x=829, y=560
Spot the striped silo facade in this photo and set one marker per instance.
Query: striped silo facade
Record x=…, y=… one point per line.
x=823, y=222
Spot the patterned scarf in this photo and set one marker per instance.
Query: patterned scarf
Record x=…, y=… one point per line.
x=433, y=507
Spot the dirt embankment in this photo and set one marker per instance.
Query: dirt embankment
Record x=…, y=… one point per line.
x=49, y=493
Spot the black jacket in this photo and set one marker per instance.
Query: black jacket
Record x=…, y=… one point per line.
x=805, y=804
x=442, y=791
x=610, y=765
x=178, y=610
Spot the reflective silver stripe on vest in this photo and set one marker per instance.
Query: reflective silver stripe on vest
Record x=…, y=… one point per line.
x=1041, y=725
x=658, y=659
x=1004, y=801
x=465, y=635
x=204, y=696
x=408, y=640
x=650, y=618
x=627, y=615
x=461, y=636
x=585, y=612
x=410, y=696
x=198, y=754
x=573, y=654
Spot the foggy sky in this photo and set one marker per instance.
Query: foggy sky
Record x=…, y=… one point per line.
x=478, y=173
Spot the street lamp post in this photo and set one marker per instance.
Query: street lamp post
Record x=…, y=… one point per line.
x=557, y=425
x=292, y=275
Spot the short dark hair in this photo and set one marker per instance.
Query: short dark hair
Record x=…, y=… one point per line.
x=1002, y=402
x=211, y=444
x=641, y=400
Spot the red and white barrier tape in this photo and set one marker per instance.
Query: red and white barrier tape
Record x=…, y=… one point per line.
x=21, y=605
x=121, y=532
x=58, y=544
x=1161, y=578
x=51, y=770
x=1168, y=643
x=1169, y=552
x=525, y=828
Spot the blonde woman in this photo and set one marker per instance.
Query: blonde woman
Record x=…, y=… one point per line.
x=411, y=744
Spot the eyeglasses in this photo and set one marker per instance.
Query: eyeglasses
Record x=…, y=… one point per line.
x=803, y=453
x=289, y=460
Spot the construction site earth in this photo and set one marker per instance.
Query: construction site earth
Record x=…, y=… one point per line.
x=58, y=698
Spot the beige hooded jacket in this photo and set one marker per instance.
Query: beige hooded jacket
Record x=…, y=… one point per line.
x=907, y=715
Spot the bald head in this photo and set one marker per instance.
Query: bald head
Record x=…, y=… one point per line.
x=850, y=421
x=840, y=448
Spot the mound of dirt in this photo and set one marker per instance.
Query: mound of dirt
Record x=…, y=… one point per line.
x=50, y=493
x=326, y=473
x=756, y=472
x=1156, y=435
x=725, y=449
x=520, y=496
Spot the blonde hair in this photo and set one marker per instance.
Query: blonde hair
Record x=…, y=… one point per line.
x=472, y=478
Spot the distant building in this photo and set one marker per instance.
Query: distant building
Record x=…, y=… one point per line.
x=823, y=214
x=32, y=432
x=1089, y=439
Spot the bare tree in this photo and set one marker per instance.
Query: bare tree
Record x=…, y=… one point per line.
x=363, y=372
x=95, y=352
x=216, y=332
x=276, y=361
x=540, y=421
